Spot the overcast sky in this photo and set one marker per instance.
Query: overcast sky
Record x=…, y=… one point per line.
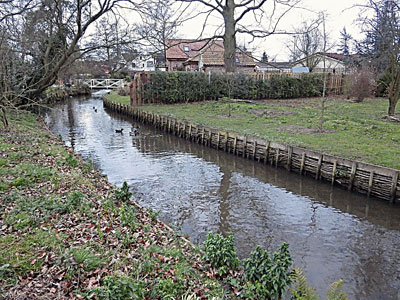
x=339, y=14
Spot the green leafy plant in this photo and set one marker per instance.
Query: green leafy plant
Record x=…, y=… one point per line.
x=71, y=161
x=121, y=288
x=301, y=290
x=123, y=195
x=220, y=252
x=335, y=291
x=267, y=277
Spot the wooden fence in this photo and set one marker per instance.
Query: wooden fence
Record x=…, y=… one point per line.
x=365, y=178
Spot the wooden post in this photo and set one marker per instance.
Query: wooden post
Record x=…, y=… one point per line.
x=266, y=152
x=352, y=175
x=318, y=171
x=244, y=146
x=226, y=141
x=254, y=149
x=202, y=136
x=278, y=150
x=289, y=161
x=302, y=163
x=218, y=141
x=234, y=145
x=395, y=179
x=370, y=183
x=190, y=132
x=334, y=172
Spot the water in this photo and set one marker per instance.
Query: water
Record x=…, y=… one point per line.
x=333, y=234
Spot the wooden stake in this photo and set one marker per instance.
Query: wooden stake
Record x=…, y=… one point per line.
x=254, y=150
x=334, y=172
x=303, y=161
x=234, y=145
x=352, y=175
x=266, y=152
x=278, y=150
x=289, y=161
x=218, y=141
x=244, y=146
x=318, y=172
x=395, y=179
x=226, y=142
x=370, y=183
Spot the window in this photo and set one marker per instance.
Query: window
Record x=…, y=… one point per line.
x=133, y=65
x=237, y=60
x=150, y=64
x=186, y=49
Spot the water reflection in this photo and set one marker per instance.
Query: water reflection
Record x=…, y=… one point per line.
x=332, y=233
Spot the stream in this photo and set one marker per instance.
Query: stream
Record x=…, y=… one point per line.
x=332, y=233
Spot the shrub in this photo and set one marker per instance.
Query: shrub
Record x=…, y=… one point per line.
x=178, y=87
x=360, y=85
x=220, y=252
x=123, y=195
x=267, y=277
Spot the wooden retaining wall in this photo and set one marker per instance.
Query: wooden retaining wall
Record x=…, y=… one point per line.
x=365, y=178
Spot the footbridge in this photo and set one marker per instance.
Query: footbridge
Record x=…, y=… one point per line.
x=109, y=84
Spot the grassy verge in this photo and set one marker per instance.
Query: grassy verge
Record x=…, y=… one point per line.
x=113, y=96
x=65, y=232
x=351, y=130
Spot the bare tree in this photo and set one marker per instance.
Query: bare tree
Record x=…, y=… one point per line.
x=233, y=12
x=160, y=22
x=114, y=43
x=40, y=38
x=307, y=41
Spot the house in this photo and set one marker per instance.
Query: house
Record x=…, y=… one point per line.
x=142, y=63
x=274, y=67
x=204, y=56
x=334, y=63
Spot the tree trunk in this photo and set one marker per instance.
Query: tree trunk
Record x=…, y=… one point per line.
x=394, y=93
x=392, y=106
x=229, y=37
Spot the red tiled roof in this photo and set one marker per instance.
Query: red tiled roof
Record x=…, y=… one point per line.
x=176, y=48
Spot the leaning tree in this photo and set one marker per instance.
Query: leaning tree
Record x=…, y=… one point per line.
x=39, y=38
x=265, y=15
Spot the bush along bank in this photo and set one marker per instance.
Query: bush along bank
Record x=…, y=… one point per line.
x=183, y=87
x=67, y=233
x=262, y=275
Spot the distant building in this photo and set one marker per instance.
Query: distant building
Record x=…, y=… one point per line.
x=142, y=63
x=274, y=67
x=334, y=63
x=204, y=56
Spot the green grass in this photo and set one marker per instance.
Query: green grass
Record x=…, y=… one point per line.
x=113, y=96
x=351, y=130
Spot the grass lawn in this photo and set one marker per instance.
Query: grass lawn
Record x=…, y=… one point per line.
x=66, y=233
x=113, y=96
x=351, y=130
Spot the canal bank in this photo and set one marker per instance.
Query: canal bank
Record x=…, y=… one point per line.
x=369, y=179
x=198, y=189
x=66, y=232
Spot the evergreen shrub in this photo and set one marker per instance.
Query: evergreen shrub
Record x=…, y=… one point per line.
x=185, y=87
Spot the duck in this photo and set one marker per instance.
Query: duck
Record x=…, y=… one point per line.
x=119, y=130
x=95, y=110
x=134, y=131
x=94, y=107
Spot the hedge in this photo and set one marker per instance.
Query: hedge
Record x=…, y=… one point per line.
x=178, y=87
